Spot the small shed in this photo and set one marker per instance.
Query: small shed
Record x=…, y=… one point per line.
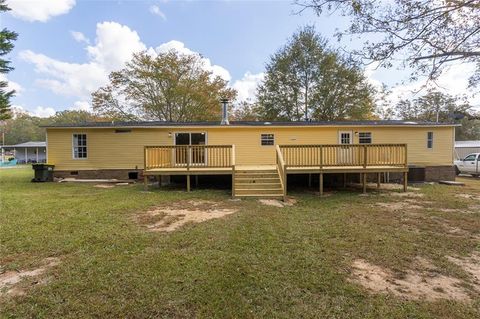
x=28, y=152
x=463, y=148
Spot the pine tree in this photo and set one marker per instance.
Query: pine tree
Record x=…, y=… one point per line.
x=6, y=45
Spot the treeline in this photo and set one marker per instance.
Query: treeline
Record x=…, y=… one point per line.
x=306, y=79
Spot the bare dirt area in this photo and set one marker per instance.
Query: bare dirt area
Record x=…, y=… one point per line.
x=172, y=217
x=10, y=280
x=278, y=203
x=425, y=282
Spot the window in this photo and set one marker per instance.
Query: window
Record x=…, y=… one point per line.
x=429, y=139
x=365, y=137
x=268, y=139
x=79, y=145
x=470, y=158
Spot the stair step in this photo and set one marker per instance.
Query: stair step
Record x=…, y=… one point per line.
x=260, y=196
x=264, y=175
x=258, y=185
x=254, y=191
x=258, y=180
x=266, y=171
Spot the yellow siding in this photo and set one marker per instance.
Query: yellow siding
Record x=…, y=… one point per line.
x=110, y=150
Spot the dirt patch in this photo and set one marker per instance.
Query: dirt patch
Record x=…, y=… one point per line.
x=399, y=206
x=406, y=195
x=424, y=284
x=278, y=203
x=471, y=265
x=174, y=216
x=468, y=196
x=104, y=186
x=10, y=280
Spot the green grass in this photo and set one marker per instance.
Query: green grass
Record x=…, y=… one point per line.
x=262, y=261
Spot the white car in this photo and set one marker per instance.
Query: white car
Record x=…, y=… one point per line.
x=469, y=165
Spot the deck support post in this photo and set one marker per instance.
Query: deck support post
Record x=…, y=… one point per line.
x=344, y=180
x=364, y=178
x=378, y=179
x=145, y=182
x=321, y=184
x=188, y=183
x=159, y=179
x=196, y=180
x=405, y=181
x=309, y=180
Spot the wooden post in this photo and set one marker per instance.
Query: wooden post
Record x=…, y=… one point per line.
x=159, y=178
x=364, y=183
x=321, y=184
x=405, y=181
x=364, y=156
x=378, y=179
x=188, y=183
x=196, y=180
x=344, y=180
x=145, y=182
x=309, y=180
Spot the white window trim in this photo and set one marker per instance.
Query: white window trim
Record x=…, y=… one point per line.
x=371, y=137
x=433, y=140
x=73, y=146
x=261, y=139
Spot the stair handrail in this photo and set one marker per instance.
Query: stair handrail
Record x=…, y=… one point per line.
x=281, y=168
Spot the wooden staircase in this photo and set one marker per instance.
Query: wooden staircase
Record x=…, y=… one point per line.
x=258, y=182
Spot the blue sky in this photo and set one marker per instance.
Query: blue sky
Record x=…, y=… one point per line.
x=66, y=48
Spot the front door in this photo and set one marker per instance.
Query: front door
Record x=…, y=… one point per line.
x=196, y=154
x=345, y=153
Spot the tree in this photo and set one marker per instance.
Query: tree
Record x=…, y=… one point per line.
x=6, y=45
x=427, y=35
x=246, y=111
x=22, y=128
x=74, y=116
x=307, y=80
x=169, y=86
x=436, y=106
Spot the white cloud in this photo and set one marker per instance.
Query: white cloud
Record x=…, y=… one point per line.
x=41, y=111
x=11, y=85
x=114, y=45
x=154, y=9
x=80, y=37
x=247, y=86
x=453, y=81
x=81, y=106
x=39, y=10
x=180, y=47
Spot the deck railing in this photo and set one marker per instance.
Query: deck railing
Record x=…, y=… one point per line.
x=281, y=170
x=189, y=156
x=357, y=155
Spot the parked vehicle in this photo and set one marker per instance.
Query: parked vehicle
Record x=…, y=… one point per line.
x=469, y=165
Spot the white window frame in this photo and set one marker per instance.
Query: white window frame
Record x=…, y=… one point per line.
x=360, y=137
x=266, y=137
x=430, y=140
x=73, y=146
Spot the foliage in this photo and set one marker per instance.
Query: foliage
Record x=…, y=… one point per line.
x=23, y=127
x=427, y=35
x=169, y=86
x=435, y=106
x=246, y=111
x=307, y=80
x=6, y=45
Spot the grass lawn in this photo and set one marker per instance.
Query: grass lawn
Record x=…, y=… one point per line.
x=261, y=261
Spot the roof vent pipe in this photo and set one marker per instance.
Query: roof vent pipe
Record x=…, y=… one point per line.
x=224, y=112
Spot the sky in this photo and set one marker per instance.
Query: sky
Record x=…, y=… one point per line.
x=67, y=48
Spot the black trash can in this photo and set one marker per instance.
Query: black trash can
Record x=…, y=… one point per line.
x=43, y=172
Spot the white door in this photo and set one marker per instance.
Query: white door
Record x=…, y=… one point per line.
x=345, y=154
x=470, y=164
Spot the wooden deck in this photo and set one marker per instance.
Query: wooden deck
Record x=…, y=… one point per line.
x=290, y=159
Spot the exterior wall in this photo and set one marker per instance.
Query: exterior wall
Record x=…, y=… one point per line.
x=110, y=150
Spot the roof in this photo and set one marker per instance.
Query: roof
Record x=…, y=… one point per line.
x=27, y=144
x=467, y=144
x=245, y=124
